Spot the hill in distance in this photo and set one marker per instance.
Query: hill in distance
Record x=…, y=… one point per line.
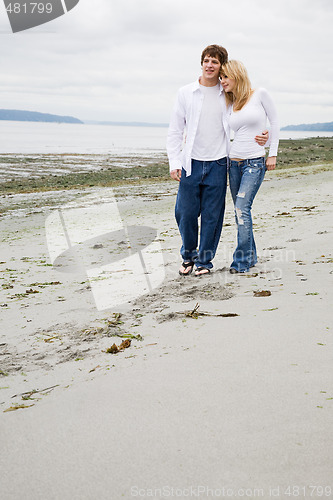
x=33, y=116
x=317, y=127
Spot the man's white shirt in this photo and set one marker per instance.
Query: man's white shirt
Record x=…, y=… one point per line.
x=200, y=112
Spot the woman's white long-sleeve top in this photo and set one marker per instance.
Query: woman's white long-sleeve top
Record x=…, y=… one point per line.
x=251, y=121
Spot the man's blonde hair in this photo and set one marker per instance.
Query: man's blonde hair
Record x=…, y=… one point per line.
x=242, y=90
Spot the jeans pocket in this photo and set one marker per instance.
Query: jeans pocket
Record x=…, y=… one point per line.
x=222, y=162
x=257, y=164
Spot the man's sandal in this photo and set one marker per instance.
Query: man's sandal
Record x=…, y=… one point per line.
x=198, y=271
x=186, y=265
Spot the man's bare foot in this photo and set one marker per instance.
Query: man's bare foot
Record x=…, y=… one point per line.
x=202, y=271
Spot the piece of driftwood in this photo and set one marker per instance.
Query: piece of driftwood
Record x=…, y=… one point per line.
x=195, y=313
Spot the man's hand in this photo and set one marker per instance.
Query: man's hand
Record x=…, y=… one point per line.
x=262, y=139
x=271, y=162
x=176, y=175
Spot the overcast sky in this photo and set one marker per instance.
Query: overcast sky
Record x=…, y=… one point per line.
x=123, y=60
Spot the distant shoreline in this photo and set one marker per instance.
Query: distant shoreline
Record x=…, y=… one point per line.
x=34, y=116
x=40, y=172
x=310, y=127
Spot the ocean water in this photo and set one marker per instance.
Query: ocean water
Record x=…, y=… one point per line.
x=63, y=138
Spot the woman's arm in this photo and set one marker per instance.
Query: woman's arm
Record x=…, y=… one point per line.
x=270, y=109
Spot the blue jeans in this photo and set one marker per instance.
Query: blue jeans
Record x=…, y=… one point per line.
x=245, y=178
x=201, y=194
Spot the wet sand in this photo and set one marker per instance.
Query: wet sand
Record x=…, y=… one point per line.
x=221, y=386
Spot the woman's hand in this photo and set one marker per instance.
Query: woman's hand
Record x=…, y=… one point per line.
x=271, y=163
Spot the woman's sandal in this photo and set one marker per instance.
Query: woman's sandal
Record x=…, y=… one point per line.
x=198, y=271
x=187, y=265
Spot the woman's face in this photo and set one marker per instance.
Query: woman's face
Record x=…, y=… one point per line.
x=227, y=83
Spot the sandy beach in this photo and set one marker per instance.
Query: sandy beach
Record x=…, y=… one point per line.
x=223, y=385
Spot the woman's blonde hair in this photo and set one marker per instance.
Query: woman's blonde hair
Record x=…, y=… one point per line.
x=242, y=90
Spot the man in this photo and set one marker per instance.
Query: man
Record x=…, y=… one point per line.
x=201, y=165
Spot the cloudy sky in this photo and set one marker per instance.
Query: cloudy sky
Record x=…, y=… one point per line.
x=123, y=60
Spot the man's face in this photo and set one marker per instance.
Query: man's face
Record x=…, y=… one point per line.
x=211, y=69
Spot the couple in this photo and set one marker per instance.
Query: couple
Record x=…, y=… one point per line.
x=221, y=99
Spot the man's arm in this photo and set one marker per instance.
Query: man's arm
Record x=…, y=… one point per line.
x=262, y=139
x=175, y=138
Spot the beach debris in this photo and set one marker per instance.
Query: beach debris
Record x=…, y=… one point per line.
x=129, y=336
x=17, y=407
x=195, y=313
x=114, y=349
x=51, y=338
x=115, y=321
x=328, y=260
x=275, y=247
x=29, y=291
x=262, y=293
x=17, y=296
x=125, y=344
x=28, y=394
x=93, y=369
x=305, y=209
x=48, y=283
x=7, y=286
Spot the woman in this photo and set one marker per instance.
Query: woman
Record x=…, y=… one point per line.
x=248, y=110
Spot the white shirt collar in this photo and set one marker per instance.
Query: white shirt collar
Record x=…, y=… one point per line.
x=196, y=86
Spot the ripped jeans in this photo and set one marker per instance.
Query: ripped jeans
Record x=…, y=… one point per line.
x=245, y=178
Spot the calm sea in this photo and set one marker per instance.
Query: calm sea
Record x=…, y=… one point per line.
x=54, y=138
